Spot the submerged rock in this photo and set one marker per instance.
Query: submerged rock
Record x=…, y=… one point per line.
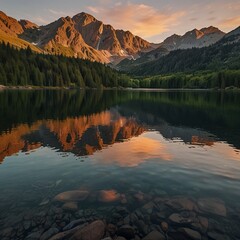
x=212, y=205
x=217, y=236
x=181, y=203
x=191, y=234
x=164, y=226
x=126, y=231
x=154, y=235
x=49, y=233
x=93, y=231
x=72, y=196
x=108, y=196
x=72, y=206
x=177, y=218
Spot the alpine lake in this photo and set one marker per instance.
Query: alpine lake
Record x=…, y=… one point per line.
x=124, y=164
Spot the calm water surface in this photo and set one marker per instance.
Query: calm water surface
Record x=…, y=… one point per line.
x=120, y=151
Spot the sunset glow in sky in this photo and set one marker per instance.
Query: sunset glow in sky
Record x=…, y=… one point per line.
x=153, y=20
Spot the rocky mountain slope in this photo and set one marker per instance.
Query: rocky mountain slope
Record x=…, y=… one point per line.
x=192, y=39
x=195, y=38
x=224, y=54
x=80, y=36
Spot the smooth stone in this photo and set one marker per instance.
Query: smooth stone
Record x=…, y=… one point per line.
x=49, y=233
x=154, y=235
x=126, y=231
x=74, y=224
x=212, y=205
x=111, y=229
x=194, y=235
x=72, y=196
x=179, y=219
x=217, y=236
x=181, y=203
x=72, y=206
x=148, y=208
x=67, y=234
x=164, y=226
x=93, y=231
x=108, y=196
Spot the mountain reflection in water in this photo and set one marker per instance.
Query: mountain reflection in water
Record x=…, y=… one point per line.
x=137, y=156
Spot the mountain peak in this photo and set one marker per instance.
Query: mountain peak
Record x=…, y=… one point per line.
x=210, y=30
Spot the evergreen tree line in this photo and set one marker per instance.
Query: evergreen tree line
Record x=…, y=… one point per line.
x=225, y=79
x=217, y=57
x=24, y=67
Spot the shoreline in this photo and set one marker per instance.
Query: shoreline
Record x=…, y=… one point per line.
x=3, y=87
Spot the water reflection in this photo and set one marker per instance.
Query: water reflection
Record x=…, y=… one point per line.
x=81, y=135
x=138, y=158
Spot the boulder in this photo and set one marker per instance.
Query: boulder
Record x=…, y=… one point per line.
x=72, y=196
x=212, y=205
x=181, y=203
x=177, y=218
x=154, y=235
x=107, y=196
x=49, y=233
x=71, y=206
x=93, y=231
x=191, y=234
x=126, y=231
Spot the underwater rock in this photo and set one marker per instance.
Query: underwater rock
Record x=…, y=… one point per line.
x=108, y=196
x=191, y=234
x=212, y=205
x=72, y=196
x=71, y=206
x=154, y=235
x=93, y=231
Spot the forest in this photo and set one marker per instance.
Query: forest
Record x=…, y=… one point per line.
x=26, y=68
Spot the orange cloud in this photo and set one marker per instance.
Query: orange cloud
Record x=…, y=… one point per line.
x=141, y=19
x=231, y=22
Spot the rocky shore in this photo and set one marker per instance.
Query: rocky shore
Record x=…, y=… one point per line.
x=158, y=218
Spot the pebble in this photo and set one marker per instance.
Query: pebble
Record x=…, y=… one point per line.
x=164, y=226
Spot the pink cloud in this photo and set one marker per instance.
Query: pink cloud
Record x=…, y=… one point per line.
x=140, y=19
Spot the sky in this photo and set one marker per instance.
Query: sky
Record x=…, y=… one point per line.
x=153, y=20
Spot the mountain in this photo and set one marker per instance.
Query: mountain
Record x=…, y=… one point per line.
x=195, y=38
x=224, y=54
x=81, y=36
x=10, y=29
x=191, y=39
